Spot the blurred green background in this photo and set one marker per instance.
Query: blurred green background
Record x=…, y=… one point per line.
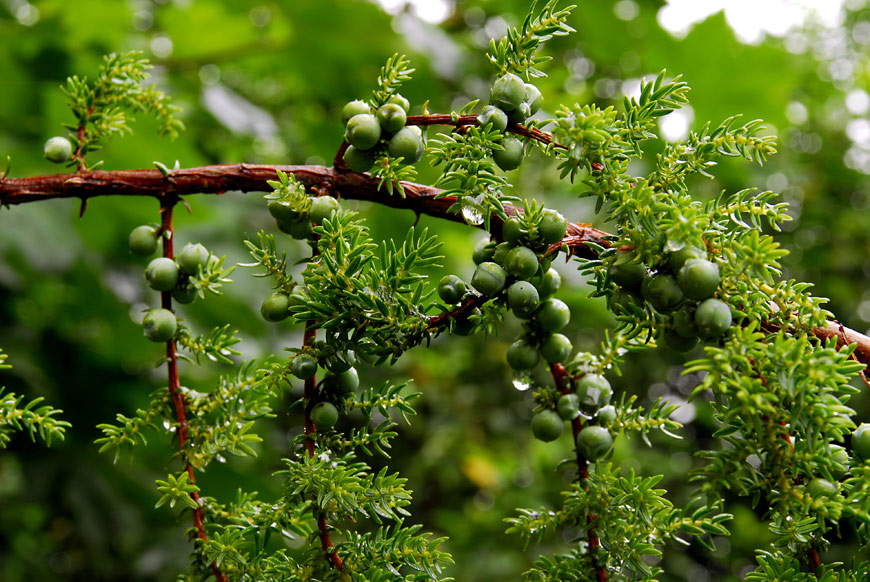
x=264, y=83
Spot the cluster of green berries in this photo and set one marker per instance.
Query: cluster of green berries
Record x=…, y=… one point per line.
x=592, y=396
x=298, y=219
x=164, y=274
x=58, y=149
x=819, y=487
x=371, y=131
x=512, y=100
x=340, y=381
x=683, y=288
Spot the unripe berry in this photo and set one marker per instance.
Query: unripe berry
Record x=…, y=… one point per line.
x=556, y=348
x=298, y=229
x=821, y=488
x=343, y=383
x=341, y=361
x=840, y=459
x=407, y=144
x=400, y=101
x=143, y=240
x=547, y=425
x=511, y=156
x=488, y=279
x=391, y=117
x=568, y=406
x=594, y=442
x=451, y=289
x=713, y=318
x=358, y=160
x=594, y=391
x=521, y=113
x=552, y=315
x=184, y=293
x=662, y=292
x=606, y=415
x=534, y=98
x=511, y=231
x=679, y=258
x=159, y=324
x=57, y=149
x=363, y=131
x=483, y=251
x=861, y=442
x=283, y=211
x=353, y=108
x=523, y=299
x=623, y=301
x=679, y=342
x=322, y=208
x=626, y=271
x=499, y=253
x=508, y=92
x=191, y=257
x=324, y=415
x=495, y=116
x=275, y=307
x=303, y=366
x=521, y=262
x=522, y=355
x=553, y=226
x=550, y=283
x=162, y=274
x=699, y=278
x=684, y=322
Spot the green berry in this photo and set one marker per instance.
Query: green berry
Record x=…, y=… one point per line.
x=713, y=318
x=522, y=355
x=451, y=289
x=143, y=240
x=521, y=262
x=508, y=92
x=400, y=101
x=568, y=406
x=523, y=299
x=483, y=251
x=840, y=461
x=162, y=274
x=553, y=226
x=341, y=361
x=512, y=231
x=358, y=160
x=662, y=292
x=679, y=258
x=298, y=229
x=322, y=208
x=552, y=315
x=275, y=307
x=342, y=383
x=354, y=108
x=282, y=211
x=550, y=283
x=623, y=301
x=192, y=257
x=684, y=322
x=57, y=149
x=626, y=271
x=303, y=366
x=391, y=117
x=511, y=156
x=594, y=442
x=324, y=415
x=466, y=325
x=521, y=113
x=488, y=279
x=499, y=253
x=861, y=441
x=495, y=116
x=547, y=425
x=363, y=131
x=594, y=391
x=606, y=415
x=184, y=293
x=556, y=348
x=699, y=278
x=821, y=488
x=159, y=324
x=407, y=144
x=678, y=342
x=534, y=98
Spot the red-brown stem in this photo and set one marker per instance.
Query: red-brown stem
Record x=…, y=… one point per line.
x=815, y=561
x=166, y=207
x=562, y=384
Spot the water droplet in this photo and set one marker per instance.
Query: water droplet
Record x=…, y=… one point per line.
x=220, y=459
x=166, y=423
x=522, y=381
x=472, y=210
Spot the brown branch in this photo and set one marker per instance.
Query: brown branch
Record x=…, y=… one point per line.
x=252, y=178
x=175, y=393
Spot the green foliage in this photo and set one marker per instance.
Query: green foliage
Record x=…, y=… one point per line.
x=515, y=52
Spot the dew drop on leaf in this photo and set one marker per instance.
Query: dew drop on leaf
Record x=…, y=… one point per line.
x=522, y=381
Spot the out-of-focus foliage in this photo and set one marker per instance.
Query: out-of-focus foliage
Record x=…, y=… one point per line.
x=264, y=83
